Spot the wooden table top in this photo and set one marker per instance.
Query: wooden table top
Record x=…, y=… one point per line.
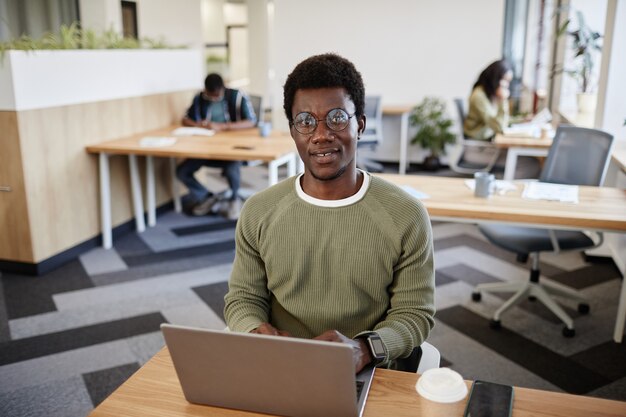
x=599, y=208
x=506, y=141
x=397, y=109
x=154, y=391
x=234, y=145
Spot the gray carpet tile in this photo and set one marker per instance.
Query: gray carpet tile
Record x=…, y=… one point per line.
x=227, y=245
x=198, y=314
x=100, y=261
x=86, y=315
x=485, y=363
x=173, y=266
x=28, y=295
x=561, y=371
x=162, y=284
x=100, y=384
x=613, y=391
x=588, y=275
x=161, y=240
x=64, y=365
x=37, y=346
x=213, y=296
x=61, y=398
x=145, y=346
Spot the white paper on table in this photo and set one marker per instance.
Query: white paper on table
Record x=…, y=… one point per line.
x=192, y=131
x=156, y=141
x=552, y=192
x=530, y=130
x=414, y=193
x=501, y=186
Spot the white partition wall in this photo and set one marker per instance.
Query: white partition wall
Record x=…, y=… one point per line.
x=405, y=49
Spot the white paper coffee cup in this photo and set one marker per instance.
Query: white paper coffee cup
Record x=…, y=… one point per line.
x=442, y=385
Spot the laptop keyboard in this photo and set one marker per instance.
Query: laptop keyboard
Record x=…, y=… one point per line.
x=359, y=389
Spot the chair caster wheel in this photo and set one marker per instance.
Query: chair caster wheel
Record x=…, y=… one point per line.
x=567, y=332
x=495, y=324
x=583, y=308
x=476, y=296
x=532, y=298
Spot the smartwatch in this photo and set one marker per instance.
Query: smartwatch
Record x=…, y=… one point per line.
x=376, y=347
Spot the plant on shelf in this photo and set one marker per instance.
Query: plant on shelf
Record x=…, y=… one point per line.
x=586, y=46
x=433, y=129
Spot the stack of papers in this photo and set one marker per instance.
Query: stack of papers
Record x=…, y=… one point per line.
x=192, y=131
x=523, y=130
x=551, y=192
x=156, y=142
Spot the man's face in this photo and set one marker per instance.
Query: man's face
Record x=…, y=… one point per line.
x=214, y=96
x=326, y=153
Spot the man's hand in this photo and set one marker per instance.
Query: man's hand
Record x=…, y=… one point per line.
x=268, y=329
x=360, y=353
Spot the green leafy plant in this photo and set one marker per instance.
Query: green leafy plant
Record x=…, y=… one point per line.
x=433, y=126
x=585, y=44
x=74, y=37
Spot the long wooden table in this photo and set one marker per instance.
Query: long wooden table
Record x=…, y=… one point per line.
x=240, y=145
x=599, y=209
x=154, y=391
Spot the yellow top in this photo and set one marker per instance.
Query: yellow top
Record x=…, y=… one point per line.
x=485, y=118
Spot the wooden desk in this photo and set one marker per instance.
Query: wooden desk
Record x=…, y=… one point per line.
x=520, y=146
x=599, y=208
x=239, y=145
x=403, y=111
x=154, y=391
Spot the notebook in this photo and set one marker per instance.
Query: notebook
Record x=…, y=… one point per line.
x=268, y=374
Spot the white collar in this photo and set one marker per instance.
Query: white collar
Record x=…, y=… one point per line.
x=334, y=203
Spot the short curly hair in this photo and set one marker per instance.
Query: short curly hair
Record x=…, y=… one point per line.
x=324, y=71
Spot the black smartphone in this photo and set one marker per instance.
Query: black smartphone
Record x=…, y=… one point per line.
x=488, y=399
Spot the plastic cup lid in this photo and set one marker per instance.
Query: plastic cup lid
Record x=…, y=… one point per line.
x=442, y=385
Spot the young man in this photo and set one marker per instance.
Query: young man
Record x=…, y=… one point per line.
x=333, y=254
x=218, y=108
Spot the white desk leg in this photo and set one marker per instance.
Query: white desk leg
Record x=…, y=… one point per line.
x=178, y=207
x=150, y=191
x=510, y=164
x=105, y=201
x=618, y=334
x=273, y=171
x=135, y=186
x=404, y=142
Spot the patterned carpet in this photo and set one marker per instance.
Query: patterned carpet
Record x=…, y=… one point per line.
x=69, y=338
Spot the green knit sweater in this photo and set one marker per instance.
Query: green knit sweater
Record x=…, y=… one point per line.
x=365, y=264
x=484, y=118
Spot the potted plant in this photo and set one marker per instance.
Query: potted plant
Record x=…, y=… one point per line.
x=585, y=44
x=433, y=130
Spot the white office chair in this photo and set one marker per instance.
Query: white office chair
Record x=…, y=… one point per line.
x=431, y=358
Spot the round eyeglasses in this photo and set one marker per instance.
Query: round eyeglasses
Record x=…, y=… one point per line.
x=336, y=120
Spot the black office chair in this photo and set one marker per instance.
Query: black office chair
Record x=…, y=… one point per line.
x=578, y=156
x=469, y=155
x=373, y=133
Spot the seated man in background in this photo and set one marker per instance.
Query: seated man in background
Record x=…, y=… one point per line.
x=217, y=108
x=334, y=253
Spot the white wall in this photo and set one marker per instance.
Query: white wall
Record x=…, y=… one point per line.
x=405, y=49
x=101, y=15
x=177, y=22
x=614, y=105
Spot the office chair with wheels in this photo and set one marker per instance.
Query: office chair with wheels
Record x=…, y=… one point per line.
x=469, y=155
x=373, y=133
x=578, y=156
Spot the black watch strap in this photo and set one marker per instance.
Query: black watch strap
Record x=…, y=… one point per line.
x=376, y=347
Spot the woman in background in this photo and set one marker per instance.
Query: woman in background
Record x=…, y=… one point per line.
x=488, y=106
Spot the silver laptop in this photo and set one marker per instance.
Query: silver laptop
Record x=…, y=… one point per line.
x=268, y=374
